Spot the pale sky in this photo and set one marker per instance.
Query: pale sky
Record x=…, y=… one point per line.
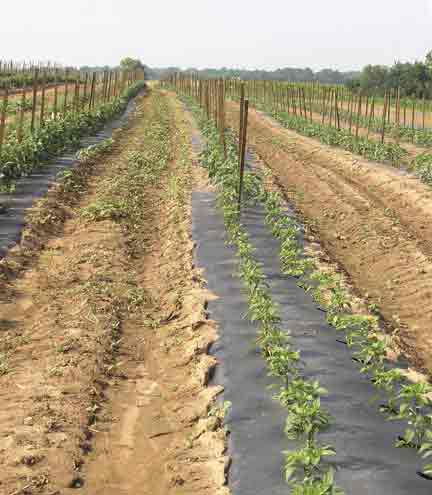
x=266, y=34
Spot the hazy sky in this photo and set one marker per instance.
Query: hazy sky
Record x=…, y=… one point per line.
x=342, y=34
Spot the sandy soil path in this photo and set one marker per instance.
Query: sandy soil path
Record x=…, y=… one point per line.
x=104, y=334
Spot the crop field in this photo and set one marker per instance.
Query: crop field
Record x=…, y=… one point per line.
x=212, y=286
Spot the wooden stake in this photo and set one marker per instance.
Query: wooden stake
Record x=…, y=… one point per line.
x=359, y=107
x=222, y=117
x=350, y=110
x=398, y=115
x=85, y=87
x=92, y=91
x=3, y=117
x=55, y=96
x=65, y=93
x=35, y=90
x=384, y=118
x=372, y=109
x=304, y=102
x=21, y=117
x=331, y=107
x=323, y=106
x=242, y=100
x=110, y=85
x=412, y=119
x=337, y=111
x=243, y=152
x=423, y=112
x=42, y=109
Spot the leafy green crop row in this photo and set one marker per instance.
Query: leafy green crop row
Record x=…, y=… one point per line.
x=22, y=80
x=421, y=137
x=306, y=468
x=21, y=158
x=372, y=150
x=15, y=107
x=123, y=196
x=403, y=401
x=363, y=333
x=422, y=167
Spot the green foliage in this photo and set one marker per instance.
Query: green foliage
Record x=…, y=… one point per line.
x=26, y=79
x=414, y=398
x=414, y=78
x=105, y=210
x=129, y=63
x=420, y=137
x=95, y=151
x=370, y=149
x=422, y=166
x=306, y=418
x=21, y=158
x=306, y=464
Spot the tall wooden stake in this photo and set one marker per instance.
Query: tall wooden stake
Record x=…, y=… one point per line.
x=3, y=117
x=243, y=152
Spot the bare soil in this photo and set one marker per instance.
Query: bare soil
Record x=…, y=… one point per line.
x=372, y=219
x=104, y=349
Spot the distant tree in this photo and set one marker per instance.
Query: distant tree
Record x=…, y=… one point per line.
x=428, y=59
x=413, y=78
x=373, y=77
x=428, y=63
x=130, y=63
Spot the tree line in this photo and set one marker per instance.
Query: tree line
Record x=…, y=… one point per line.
x=413, y=78
x=325, y=76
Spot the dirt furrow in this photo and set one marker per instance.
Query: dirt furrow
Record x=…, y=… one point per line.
x=164, y=440
x=103, y=351
x=402, y=195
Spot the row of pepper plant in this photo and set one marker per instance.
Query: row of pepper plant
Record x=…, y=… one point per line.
x=26, y=79
x=420, y=137
x=307, y=468
x=405, y=401
x=402, y=401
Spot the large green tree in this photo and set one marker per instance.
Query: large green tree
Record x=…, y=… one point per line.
x=129, y=63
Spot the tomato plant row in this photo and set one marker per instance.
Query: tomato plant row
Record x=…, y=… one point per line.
x=20, y=157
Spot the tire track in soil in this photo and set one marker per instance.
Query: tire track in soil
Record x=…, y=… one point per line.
x=101, y=394
x=370, y=218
